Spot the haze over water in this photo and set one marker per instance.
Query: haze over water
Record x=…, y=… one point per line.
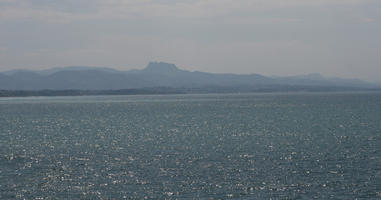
x=244, y=146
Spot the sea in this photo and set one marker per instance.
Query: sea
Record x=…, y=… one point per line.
x=195, y=146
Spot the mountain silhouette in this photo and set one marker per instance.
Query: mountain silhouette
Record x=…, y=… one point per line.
x=156, y=74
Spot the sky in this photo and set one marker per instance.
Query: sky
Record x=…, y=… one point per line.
x=339, y=38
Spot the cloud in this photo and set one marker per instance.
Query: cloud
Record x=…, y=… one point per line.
x=22, y=13
x=69, y=10
x=368, y=20
x=3, y=51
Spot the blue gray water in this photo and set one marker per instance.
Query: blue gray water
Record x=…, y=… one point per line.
x=243, y=146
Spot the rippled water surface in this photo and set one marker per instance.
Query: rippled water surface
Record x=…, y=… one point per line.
x=252, y=146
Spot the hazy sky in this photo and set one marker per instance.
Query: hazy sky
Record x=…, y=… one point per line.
x=270, y=37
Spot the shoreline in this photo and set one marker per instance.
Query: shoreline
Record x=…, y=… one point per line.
x=180, y=91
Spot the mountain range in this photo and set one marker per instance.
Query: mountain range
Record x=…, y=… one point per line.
x=159, y=74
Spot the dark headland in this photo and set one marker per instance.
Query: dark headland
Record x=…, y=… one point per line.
x=161, y=78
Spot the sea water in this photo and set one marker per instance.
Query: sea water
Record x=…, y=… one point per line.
x=225, y=146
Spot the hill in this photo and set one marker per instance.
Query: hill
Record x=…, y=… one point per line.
x=160, y=74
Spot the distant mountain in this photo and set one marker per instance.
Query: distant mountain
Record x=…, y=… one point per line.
x=158, y=74
x=58, y=69
x=320, y=80
x=162, y=68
